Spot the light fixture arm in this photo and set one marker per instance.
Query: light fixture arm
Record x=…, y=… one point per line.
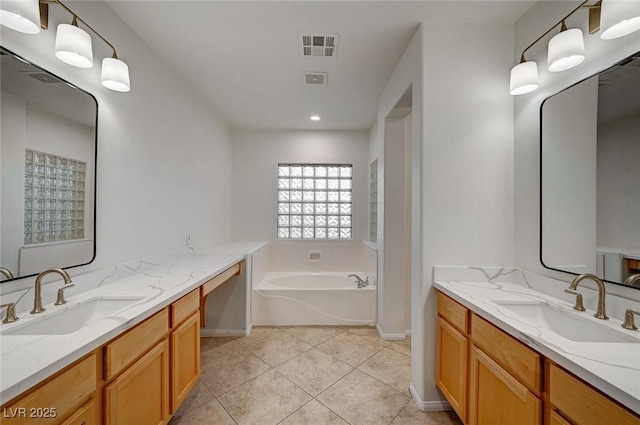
x=560, y=22
x=44, y=8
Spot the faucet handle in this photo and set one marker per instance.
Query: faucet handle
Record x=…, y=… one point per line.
x=579, y=305
x=629, y=323
x=11, y=313
x=60, y=299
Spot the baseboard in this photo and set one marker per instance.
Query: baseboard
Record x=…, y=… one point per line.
x=428, y=406
x=407, y=333
x=207, y=333
x=390, y=336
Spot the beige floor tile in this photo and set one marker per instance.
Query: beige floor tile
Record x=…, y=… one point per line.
x=209, y=346
x=367, y=332
x=207, y=343
x=313, y=335
x=229, y=366
x=402, y=346
x=411, y=415
x=351, y=348
x=211, y=413
x=265, y=400
x=362, y=400
x=275, y=347
x=390, y=367
x=198, y=396
x=313, y=413
x=314, y=371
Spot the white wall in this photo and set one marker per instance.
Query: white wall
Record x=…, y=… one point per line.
x=256, y=154
x=619, y=185
x=600, y=55
x=164, y=156
x=462, y=165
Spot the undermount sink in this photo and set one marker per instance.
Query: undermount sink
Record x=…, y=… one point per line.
x=566, y=324
x=74, y=317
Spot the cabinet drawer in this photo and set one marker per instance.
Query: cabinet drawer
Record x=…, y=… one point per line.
x=518, y=359
x=455, y=313
x=133, y=344
x=556, y=419
x=86, y=415
x=212, y=284
x=56, y=398
x=582, y=404
x=185, y=307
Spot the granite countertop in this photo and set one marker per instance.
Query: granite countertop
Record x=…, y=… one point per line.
x=26, y=360
x=612, y=367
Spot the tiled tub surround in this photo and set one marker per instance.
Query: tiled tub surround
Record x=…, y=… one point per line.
x=25, y=360
x=613, y=368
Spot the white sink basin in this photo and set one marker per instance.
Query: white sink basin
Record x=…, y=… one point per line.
x=567, y=324
x=74, y=317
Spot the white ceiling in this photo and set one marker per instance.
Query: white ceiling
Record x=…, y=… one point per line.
x=244, y=57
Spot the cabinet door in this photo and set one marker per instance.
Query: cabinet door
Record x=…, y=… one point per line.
x=497, y=398
x=140, y=395
x=185, y=359
x=451, y=366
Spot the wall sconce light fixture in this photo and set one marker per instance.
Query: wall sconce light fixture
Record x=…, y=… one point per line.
x=566, y=49
x=73, y=44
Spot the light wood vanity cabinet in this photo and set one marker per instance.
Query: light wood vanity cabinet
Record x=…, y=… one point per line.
x=581, y=404
x=488, y=377
x=491, y=378
x=185, y=347
x=137, y=374
x=141, y=377
x=140, y=395
x=452, y=353
x=61, y=396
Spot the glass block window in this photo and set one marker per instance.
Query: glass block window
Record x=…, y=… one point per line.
x=53, y=198
x=373, y=201
x=314, y=201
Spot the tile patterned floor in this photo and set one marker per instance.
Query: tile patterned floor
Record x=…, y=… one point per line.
x=305, y=375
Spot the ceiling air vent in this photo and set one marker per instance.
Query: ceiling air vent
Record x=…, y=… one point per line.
x=319, y=45
x=315, y=78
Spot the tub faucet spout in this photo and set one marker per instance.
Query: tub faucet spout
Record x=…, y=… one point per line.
x=361, y=283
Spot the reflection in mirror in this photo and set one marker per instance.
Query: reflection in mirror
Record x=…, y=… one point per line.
x=590, y=175
x=47, y=165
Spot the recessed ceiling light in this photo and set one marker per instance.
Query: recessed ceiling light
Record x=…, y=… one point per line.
x=314, y=118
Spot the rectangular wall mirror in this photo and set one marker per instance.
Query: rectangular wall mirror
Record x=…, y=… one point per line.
x=48, y=169
x=590, y=175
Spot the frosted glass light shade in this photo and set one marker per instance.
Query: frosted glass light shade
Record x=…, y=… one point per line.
x=619, y=18
x=524, y=78
x=115, y=75
x=73, y=46
x=21, y=15
x=566, y=50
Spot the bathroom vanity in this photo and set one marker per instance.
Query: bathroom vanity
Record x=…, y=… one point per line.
x=497, y=362
x=138, y=364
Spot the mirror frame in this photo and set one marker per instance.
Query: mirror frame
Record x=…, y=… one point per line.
x=95, y=165
x=540, y=180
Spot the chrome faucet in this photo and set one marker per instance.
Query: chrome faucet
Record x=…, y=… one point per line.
x=601, y=311
x=37, y=301
x=6, y=272
x=633, y=280
x=361, y=283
